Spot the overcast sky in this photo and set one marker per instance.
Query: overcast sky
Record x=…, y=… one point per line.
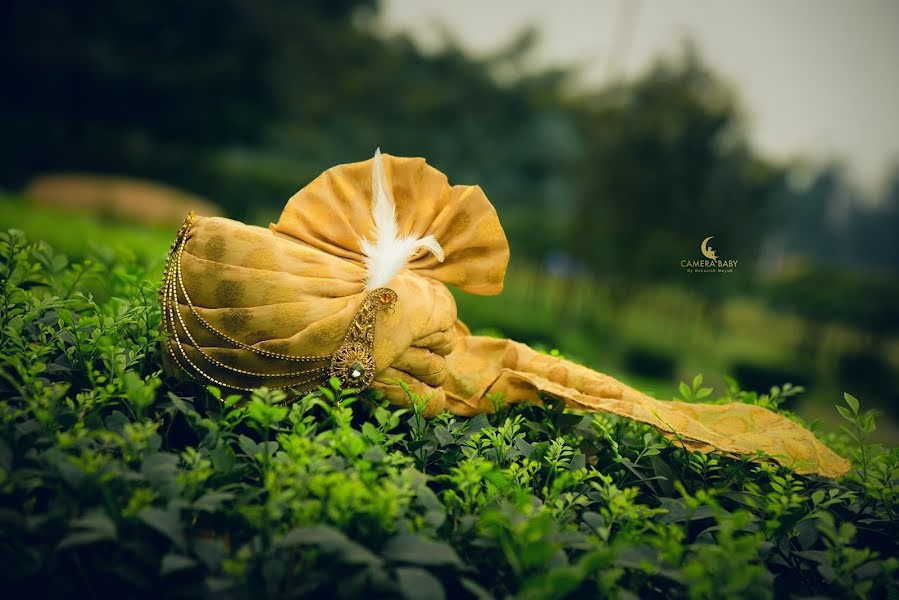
x=817, y=77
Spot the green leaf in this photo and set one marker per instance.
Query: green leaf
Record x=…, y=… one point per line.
x=476, y=424
x=172, y=562
x=414, y=549
x=374, y=454
x=703, y=393
x=663, y=475
x=578, y=461
x=852, y=401
x=223, y=458
x=443, y=435
x=372, y=433
x=116, y=421
x=160, y=468
x=59, y=263
x=231, y=400
x=166, y=522
x=685, y=391
x=418, y=584
x=250, y=447
x=844, y=412
x=211, y=551
x=526, y=449
x=331, y=540
x=212, y=501
x=868, y=423
x=81, y=538
x=95, y=526
x=181, y=404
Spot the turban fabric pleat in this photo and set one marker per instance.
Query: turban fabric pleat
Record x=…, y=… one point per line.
x=293, y=289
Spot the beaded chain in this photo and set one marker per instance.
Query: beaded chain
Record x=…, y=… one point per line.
x=353, y=362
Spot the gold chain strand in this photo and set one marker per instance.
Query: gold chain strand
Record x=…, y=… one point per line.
x=170, y=307
x=179, y=250
x=222, y=365
x=182, y=234
x=353, y=362
x=218, y=363
x=245, y=346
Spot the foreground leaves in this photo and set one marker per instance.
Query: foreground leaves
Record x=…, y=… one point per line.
x=117, y=482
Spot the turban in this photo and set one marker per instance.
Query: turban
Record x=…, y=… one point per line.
x=351, y=282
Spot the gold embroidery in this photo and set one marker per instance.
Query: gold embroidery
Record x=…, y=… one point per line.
x=353, y=362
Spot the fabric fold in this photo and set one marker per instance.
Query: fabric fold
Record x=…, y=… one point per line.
x=333, y=214
x=479, y=366
x=240, y=303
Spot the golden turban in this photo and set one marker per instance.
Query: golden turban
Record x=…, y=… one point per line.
x=351, y=282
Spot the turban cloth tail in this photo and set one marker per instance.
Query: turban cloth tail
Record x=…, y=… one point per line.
x=251, y=297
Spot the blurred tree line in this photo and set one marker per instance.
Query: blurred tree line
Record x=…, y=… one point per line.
x=245, y=102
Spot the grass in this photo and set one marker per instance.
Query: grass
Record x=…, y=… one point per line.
x=76, y=234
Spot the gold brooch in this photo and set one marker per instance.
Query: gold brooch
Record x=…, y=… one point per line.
x=353, y=362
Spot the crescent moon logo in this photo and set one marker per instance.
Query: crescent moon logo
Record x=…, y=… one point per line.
x=707, y=250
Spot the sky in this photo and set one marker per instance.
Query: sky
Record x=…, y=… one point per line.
x=817, y=78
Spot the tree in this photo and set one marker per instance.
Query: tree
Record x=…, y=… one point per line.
x=149, y=87
x=667, y=164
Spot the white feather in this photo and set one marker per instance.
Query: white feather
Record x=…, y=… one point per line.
x=389, y=252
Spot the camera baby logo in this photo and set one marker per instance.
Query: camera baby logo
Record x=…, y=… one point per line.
x=711, y=263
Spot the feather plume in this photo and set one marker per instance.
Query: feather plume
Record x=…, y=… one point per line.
x=389, y=252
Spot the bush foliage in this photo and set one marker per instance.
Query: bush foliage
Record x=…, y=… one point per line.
x=115, y=482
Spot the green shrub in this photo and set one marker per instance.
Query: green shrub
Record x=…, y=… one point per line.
x=115, y=482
